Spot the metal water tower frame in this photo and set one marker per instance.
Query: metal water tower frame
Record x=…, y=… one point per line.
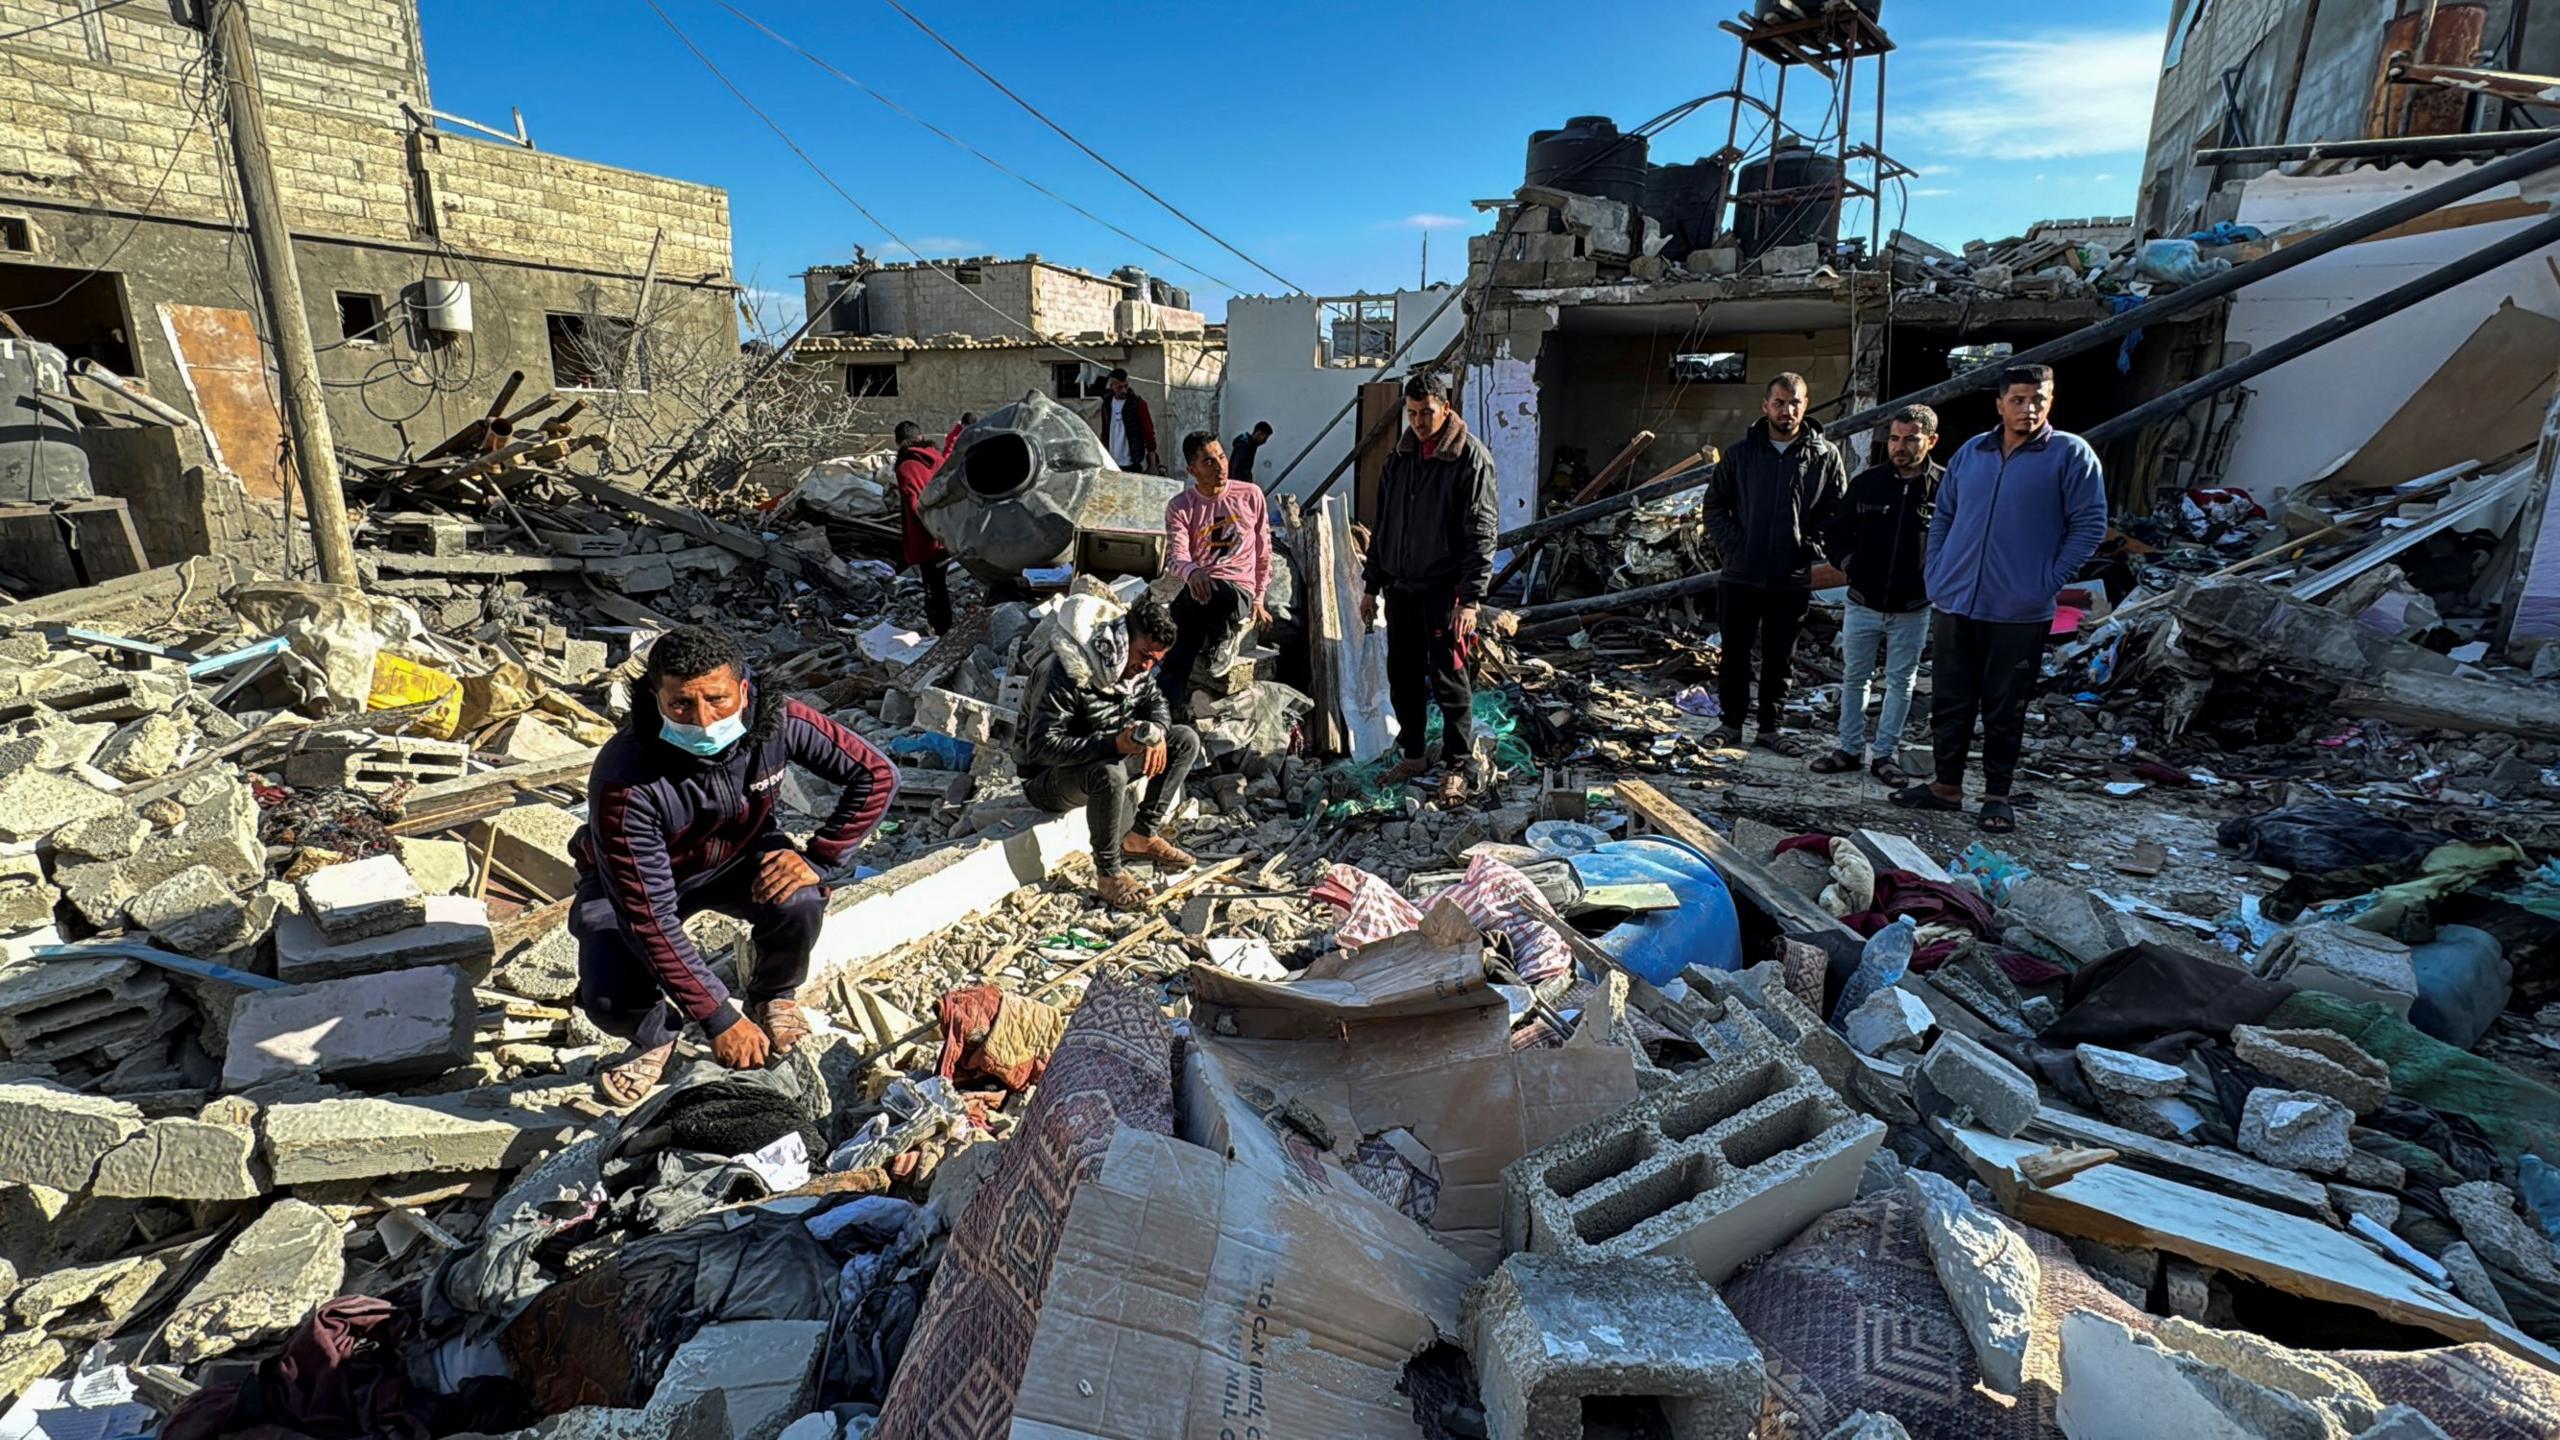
x=1839, y=33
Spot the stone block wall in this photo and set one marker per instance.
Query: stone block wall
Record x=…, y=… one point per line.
x=1066, y=303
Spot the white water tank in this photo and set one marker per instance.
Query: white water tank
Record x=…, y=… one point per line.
x=444, y=305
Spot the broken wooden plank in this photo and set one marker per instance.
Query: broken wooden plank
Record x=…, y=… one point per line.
x=826, y=570
x=2048, y=1168
x=2227, y=1171
x=2117, y=1205
x=2449, y=702
x=1746, y=876
x=446, y=803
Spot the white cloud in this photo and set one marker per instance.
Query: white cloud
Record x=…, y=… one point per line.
x=1930, y=194
x=936, y=246
x=1424, y=221
x=2012, y=100
x=2100, y=179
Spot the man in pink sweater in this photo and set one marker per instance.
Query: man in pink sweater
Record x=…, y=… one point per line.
x=1218, y=544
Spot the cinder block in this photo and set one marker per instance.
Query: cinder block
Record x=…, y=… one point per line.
x=375, y=762
x=962, y=717
x=75, y=1009
x=1756, y=1003
x=1716, y=1169
x=1634, y=1345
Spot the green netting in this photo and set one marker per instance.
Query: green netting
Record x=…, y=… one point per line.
x=2518, y=1114
x=1363, y=781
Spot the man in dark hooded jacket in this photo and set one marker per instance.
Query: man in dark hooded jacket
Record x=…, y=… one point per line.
x=1766, y=506
x=681, y=820
x=1094, y=721
x=1430, y=563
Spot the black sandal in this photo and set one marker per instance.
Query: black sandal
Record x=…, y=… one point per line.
x=1727, y=738
x=1921, y=797
x=1999, y=817
x=1778, y=743
x=1837, y=762
x=1888, y=772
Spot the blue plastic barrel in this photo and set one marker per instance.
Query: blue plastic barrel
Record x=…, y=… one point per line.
x=1659, y=944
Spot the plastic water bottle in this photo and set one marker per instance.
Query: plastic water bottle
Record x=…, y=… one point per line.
x=1884, y=961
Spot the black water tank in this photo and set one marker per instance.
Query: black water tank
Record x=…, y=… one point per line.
x=1778, y=12
x=1687, y=201
x=1799, y=221
x=1589, y=157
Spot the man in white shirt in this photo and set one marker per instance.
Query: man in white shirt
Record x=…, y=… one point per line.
x=1128, y=431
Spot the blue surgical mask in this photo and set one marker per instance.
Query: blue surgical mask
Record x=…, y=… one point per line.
x=705, y=740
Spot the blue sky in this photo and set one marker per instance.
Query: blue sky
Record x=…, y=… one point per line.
x=1322, y=139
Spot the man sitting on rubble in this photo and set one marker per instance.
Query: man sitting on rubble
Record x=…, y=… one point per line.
x=1766, y=505
x=1879, y=536
x=1093, y=720
x=681, y=820
x=2020, y=510
x=917, y=460
x=1430, y=562
x=1218, y=544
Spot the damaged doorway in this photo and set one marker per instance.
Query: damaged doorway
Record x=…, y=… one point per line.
x=81, y=314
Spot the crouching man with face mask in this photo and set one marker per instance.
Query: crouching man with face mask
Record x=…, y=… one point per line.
x=681, y=820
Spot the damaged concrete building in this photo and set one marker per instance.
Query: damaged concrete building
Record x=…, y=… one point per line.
x=932, y=340
x=435, y=260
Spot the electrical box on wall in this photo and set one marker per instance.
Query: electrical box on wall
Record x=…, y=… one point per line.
x=443, y=305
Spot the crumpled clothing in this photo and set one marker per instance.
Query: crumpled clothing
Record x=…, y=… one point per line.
x=341, y=1376
x=1495, y=896
x=990, y=1034
x=1816, y=844
x=604, y=1336
x=1928, y=902
x=2326, y=836
x=879, y=1290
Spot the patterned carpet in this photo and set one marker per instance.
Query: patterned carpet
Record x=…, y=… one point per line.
x=964, y=1367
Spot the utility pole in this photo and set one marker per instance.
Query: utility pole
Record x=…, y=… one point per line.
x=306, y=413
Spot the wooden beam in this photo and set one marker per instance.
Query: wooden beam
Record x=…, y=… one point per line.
x=827, y=571
x=1742, y=873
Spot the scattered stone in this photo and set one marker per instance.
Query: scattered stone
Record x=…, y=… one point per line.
x=1989, y=1274
x=26, y=898
x=1960, y=1077
x=2135, y=1075
x=2170, y=1119
x=110, y=1288
x=269, y=1281
x=359, y=899
x=456, y=932
x=364, y=1029
x=2296, y=1129
x=2307, y=1375
x=54, y=1137
x=27, y=1357
x=2321, y=1061
x=1891, y=1019
x=1555, y=1341
x=146, y=749
x=1868, y=1425
x=2471, y=1280
x=2064, y=916
x=2352, y=1200
x=547, y=969
x=531, y=738
x=36, y=803
x=2117, y=1385
x=181, y=1159
x=2374, y=1172
x=102, y=837
x=765, y=1370
x=2486, y=1212
x=441, y=867
x=194, y=912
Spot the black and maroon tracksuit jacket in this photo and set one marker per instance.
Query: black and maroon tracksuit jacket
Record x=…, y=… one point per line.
x=661, y=821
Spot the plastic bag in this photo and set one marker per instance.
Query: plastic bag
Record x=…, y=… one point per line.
x=2176, y=262
x=398, y=683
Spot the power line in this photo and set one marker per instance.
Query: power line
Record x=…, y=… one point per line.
x=1098, y=159
x=961, y=144
x=864, y=210
x=66, y=19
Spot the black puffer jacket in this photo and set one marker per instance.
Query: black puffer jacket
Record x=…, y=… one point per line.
x=1766, y=507
x=1879, y=536
x=1076, y=703
x=1437, y=518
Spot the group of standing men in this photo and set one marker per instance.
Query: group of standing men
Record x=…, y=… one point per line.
x=1969, y=556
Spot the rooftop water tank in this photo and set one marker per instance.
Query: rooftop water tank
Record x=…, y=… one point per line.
x=1589, y=157
x=1802, y=220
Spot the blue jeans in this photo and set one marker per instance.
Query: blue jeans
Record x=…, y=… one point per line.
x=1901, y=637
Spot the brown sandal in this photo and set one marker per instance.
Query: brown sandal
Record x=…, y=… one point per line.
x=629, y=1080
x=784, y=1021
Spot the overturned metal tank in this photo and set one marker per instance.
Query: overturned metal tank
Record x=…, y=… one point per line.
x=1030, y=487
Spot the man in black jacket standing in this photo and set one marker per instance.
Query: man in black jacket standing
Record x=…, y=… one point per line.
x=1093, y=720
x=1430, y=562
x=1879, y=536
x=1766, y=506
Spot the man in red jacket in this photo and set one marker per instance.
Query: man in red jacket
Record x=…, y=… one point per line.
x=916, y=463
x=1127, y=429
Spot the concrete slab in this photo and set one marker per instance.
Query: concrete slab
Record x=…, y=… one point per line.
x=441, y=867
x=363, y=1029
x=359, y=899
x=911, y=901
x=36, y=803
x=363, y=1139
x=765, y=1370
x=195, y=912
x=2321, y=1061
x=456, y=932
x=2296, y=1129
x=1961, y=1077
x=54, y=1137
x=176, y=1158
x=270, y=1280
x=1990, y=1276
x=532, y=843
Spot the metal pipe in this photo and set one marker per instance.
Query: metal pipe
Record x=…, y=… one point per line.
x=1609, y=600
x=2478, y=142
x=2346, y=322
x=1689, y=478
x=2179, y=302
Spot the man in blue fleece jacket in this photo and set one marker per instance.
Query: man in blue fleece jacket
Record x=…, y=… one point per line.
x=2020, y=510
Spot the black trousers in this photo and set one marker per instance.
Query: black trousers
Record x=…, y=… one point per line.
x=1762, y=620
x=1102, y=788
x=1200, y=626
x=1985, y=671
x=1427, y=667
x=937, y=595
x=622, y=994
